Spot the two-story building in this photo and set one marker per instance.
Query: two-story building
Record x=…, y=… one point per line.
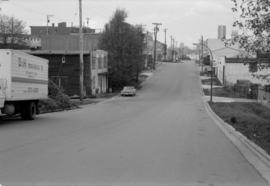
x=37, y=32
x=231, y=63
x=62, y=51
x=228, y=71
x=149, y=49
x=64, y=70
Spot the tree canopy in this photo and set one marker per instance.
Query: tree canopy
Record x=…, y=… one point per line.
x=12, y=31
x=254, y=24
x=124, y=43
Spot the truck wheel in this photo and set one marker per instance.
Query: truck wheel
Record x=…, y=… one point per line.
x=29, y=111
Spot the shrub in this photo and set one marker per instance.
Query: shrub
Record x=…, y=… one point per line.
x=233, y=120
x=48, y=105
x=58, y=100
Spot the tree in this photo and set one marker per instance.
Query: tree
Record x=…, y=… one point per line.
x=124, y=44
x=12, y=31
x=254, y=24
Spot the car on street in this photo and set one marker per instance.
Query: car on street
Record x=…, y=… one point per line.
x=128, y=91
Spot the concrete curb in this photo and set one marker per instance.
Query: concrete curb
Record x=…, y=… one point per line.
x=254, y=154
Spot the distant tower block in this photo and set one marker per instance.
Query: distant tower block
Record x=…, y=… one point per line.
x=221, y=32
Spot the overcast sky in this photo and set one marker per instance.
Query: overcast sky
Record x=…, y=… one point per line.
x=186, y=20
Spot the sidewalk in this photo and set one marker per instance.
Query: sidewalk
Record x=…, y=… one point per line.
x=228, y=100
x=147, y=74
x=209, y=86
x=96, y=100
x=204, y=77
x=221, y=99
x=253, y=153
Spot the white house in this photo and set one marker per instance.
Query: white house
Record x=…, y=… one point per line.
x=228, y=62
x=220, y=49
x=229, y=70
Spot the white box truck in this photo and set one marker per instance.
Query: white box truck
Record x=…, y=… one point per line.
x=23, y=82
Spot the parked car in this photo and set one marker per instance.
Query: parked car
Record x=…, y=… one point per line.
x=128, y=91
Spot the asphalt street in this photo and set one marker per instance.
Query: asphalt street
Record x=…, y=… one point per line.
x=163, y=136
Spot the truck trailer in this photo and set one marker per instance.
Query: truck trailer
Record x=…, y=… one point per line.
x=23, y=82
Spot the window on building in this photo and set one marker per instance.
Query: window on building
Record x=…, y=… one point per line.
x=99, y=62
x=94, y=63
x=93, y=82
x=105, y=61
x=19, y=60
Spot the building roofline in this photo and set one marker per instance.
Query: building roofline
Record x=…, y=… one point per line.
x=56, y=52
x=247, y=60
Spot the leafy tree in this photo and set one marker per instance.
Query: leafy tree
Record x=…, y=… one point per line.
x=254, y=23
x=12, y=31
x=124, y=44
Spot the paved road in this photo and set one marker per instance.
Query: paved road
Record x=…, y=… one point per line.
x=162, y=136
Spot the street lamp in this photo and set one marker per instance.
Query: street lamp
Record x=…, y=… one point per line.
x=211, y=63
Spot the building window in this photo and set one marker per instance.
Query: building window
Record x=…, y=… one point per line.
x=105, y=61
x=94, y=62
x=93, y=82
x=99, y=62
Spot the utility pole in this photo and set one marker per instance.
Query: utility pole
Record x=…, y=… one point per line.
x=176, y=43
x=146, y=49
x=48, y=20
x=81, y=52
x=156, y=29
x=172, y=40
x=202, y=54
x=180, y=52
x=165, y=49
x=172, y=47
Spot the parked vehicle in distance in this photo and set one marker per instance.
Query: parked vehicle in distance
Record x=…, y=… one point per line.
x=128, y=91
x=23, y=82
